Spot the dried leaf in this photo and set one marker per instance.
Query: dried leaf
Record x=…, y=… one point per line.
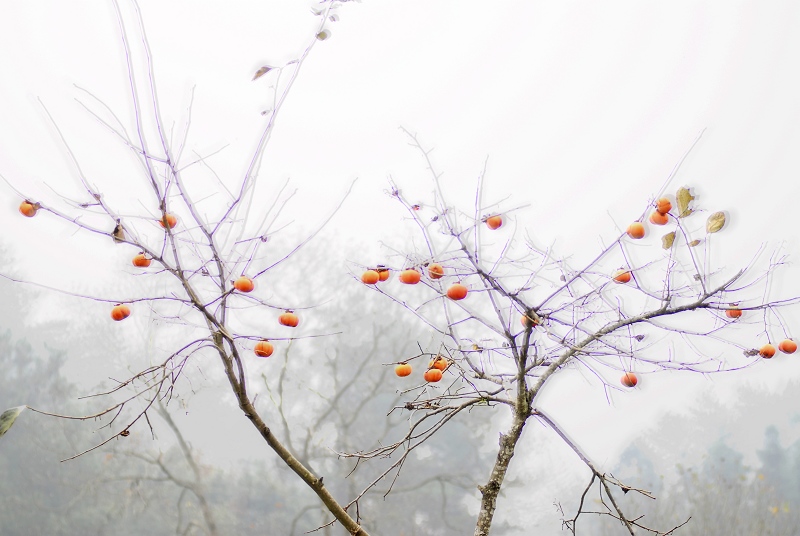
x=118, y=234
x=262, y=71
x=684, y=197
x=639, y=338
x=667, y=240
x=715, y=222
x=8, y=417
x=695, y=242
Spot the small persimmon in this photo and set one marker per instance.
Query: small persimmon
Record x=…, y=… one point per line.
x=457, y=292
x=432, y=375
x=658, y=218
x=663, y=205
x=767, y=351
x=120, y=312
x=787, y=346
x=370, y=277
x=169, y=220
x=635, y=230
x=383, y=273
x=435, y=271
x=733, y=313
x=28, y=209
x=289, y=319
x=263, y=348
x=629, y=379
x=622, y=276
x=410, y=276
x=141, y=260
x=528, y=322
x=494, y=222
x=403, y=370
x=244, y=284
x=438, y=363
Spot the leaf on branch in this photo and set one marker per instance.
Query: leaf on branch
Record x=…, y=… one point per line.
x=8, y=417
x=695, y=242
x=118, y=234
x=684, y=197
x=262, y=71
x=715, y=222
x=667, y=240
x=751, y=353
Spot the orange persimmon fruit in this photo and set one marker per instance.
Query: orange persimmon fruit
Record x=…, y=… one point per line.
x=403, y=370
x=410, y=276
x=457, y=292
x=289, y=319
x=629, y=379
x=263, y=348
x=635, y=230
x=120, y=312
x=370, y=277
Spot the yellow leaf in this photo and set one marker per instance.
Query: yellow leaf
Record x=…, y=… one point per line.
x=667, y=240
x=715, y=222
x=694, y=243
x=684, y=197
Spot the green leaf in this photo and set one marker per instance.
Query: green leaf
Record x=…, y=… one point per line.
x=8, y=417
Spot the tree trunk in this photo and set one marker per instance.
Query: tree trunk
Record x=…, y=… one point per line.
x=489, y=492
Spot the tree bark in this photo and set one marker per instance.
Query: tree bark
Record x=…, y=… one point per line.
x=489, y=492
x=333, y=506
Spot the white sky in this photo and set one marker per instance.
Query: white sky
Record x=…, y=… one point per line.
x=583, y=108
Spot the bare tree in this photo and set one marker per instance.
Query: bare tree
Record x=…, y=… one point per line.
x=212, y=252
x=510, y=316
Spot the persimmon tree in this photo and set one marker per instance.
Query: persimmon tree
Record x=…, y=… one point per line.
x=208, y=254
x=509, y=316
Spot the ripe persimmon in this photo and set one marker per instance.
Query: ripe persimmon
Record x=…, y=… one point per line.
x=438, y=363
x=383, y=273
x=658, y=218
x=28, y=209
x=263, y=348
x=410, y=276
x=622, y=276
x=635, y=230
x=289, y=319
x=457, y=292
x=435, y=271
x=403, y=370
x=767, y=351
x=370, y=277
x=494, y=222
x=141, y=260
x=120, y=312
x=787, y=346
x=244, y=284
x=169, y=220
x=663, y=205
x=432, y=375
x=629, y=379
x=733, y=313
